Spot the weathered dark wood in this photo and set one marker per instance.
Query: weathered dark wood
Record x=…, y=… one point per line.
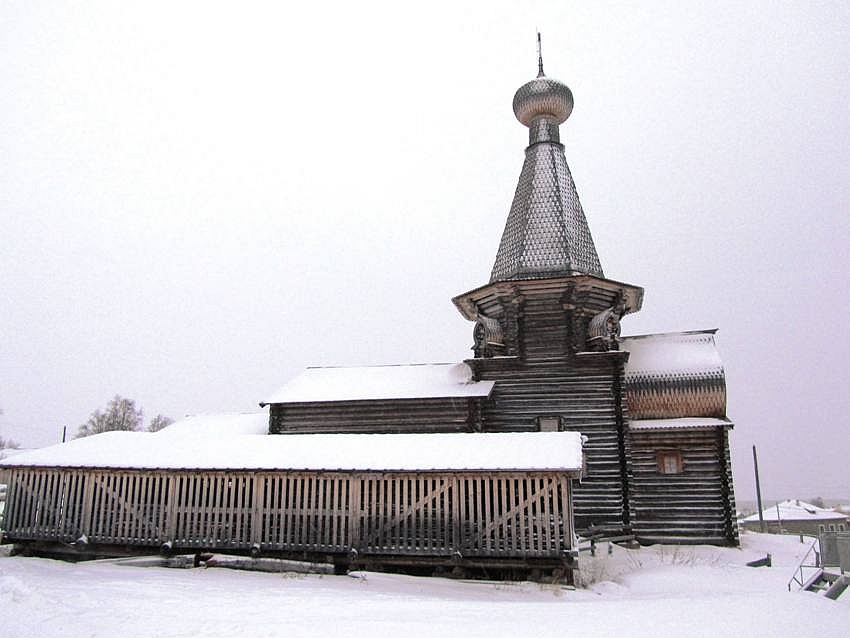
x=582, y=390
x=375, y=417
x=545, y=323
x=405, y=514
x=694, y=506
x=542, y=323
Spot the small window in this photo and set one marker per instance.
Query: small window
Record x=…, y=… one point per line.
x=821, y=528
x=670, y=462
x=831, y=527
x=549, y=423
x=841, y=527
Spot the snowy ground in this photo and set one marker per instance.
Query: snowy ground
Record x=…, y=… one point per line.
x=662, y=591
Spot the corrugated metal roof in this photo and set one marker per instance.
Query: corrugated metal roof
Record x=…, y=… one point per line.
x=523, y=451
x=422, y=381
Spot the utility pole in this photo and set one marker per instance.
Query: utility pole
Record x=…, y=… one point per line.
x=758, y=489
x=64, y=429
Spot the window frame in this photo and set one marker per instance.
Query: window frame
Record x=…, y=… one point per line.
x=661, y=456
x=551, y=419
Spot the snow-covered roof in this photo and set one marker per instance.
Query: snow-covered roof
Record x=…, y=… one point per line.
x=526, y=451
x=794, y=510
x=674, y=375
x=417, y=381
x=673, y=353
x=219, y=424
x=7, y=452
x=684, y=423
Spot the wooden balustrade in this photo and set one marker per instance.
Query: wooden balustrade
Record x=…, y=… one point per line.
x=467, y=514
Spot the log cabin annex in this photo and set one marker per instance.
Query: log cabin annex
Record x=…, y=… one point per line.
x=558, y=427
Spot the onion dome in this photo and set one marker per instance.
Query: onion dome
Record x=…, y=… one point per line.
x=543, y=97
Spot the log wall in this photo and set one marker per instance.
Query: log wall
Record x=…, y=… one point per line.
x=694, y=506
x=583, y=391
x=374, y=417
x=545, y=328
x=498, y=516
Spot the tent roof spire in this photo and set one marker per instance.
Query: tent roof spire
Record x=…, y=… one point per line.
x=546, y=234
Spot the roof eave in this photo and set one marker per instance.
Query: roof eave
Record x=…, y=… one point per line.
x=466, y=302
x=486, y=395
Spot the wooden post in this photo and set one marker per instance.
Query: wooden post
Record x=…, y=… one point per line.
x=170, y=526
x=88, y=498
x=455, y=501
x=758, y=489
x=258, y=507
x=354, y=505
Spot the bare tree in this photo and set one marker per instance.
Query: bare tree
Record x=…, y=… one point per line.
x=8, y=444
x=120, y=414
x=159, y=422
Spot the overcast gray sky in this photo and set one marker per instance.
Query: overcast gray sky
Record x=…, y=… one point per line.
x=199, y=199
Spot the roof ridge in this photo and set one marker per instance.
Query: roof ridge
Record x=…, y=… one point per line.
x=383, y=365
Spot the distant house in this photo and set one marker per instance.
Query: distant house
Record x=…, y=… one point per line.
x=798, y=517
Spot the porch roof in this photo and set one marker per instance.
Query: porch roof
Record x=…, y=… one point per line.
x=519, y=451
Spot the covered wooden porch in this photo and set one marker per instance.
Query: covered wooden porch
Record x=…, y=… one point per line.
x=402, y=511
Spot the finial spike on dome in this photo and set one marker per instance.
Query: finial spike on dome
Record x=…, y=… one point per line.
x=540, y=73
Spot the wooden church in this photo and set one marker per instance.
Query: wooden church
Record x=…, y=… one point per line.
x=549, y=357
x=558, y=428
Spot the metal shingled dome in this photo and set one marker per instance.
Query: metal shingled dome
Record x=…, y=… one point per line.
x=543, y=96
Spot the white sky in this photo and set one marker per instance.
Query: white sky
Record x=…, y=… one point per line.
x=197, y=200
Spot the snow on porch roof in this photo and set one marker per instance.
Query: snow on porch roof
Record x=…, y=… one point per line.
x=522, y=451
x=416, y=381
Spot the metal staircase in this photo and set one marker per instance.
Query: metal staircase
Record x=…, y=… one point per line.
x=822, y=569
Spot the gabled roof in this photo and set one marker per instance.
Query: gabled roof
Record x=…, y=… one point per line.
x=795, y=510
x=522, y=451
x=417, y=381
